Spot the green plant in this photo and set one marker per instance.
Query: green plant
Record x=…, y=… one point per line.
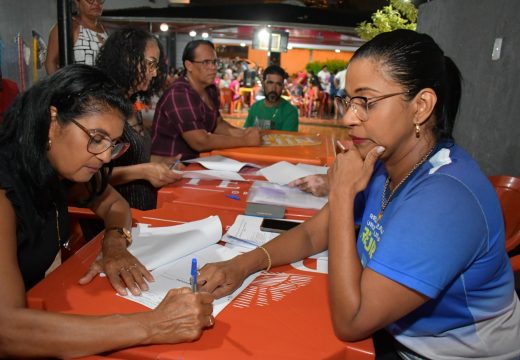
x=398, y=14
x=332, y=65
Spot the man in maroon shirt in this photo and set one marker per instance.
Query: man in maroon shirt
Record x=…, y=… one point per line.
x=187, y=119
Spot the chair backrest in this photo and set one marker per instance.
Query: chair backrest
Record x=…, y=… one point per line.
x=508, y=191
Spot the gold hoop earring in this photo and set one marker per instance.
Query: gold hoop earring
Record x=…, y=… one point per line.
x=49, y=144
x=417, y=131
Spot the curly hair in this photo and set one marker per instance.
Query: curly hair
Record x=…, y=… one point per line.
x=122, y=57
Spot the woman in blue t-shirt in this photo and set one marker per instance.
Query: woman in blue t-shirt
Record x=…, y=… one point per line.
x=428, y=263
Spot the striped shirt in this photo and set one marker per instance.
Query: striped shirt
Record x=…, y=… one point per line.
x=181, y=109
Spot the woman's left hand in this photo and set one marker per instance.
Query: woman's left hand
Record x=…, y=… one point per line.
x=122, y=269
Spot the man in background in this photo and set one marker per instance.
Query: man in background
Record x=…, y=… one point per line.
x=273, y=112
x=187, y=119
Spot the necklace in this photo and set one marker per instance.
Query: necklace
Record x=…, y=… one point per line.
x=384, y=200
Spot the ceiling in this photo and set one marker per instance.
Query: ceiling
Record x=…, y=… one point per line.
x=235, y=24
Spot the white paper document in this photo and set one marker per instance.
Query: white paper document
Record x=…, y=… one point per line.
x=247, y=228
x=211, y=175
x=219, y=162
x=267, y=193
x=283, y=172
x=177, y=275
x=156, y=246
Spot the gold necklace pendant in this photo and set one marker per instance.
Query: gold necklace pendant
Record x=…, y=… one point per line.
x=385, y=201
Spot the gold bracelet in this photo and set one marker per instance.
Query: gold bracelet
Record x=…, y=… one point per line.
x=268, y=258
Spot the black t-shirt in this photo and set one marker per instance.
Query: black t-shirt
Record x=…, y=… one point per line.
x=37, y=236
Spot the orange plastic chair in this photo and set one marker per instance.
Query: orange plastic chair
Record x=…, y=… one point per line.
x=226, y=100
x=508, y=191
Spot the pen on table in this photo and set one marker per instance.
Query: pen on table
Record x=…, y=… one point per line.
x=341, y=146
x=174, y=166
x=193, y=278
x=234, y=197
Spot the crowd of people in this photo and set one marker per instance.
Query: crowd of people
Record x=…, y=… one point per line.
x=397, y=196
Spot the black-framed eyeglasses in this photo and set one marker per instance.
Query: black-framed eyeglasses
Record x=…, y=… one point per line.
x=98, y=142
x=151, y=64
x=360, y=104
x=90, y=2
x=207, y=63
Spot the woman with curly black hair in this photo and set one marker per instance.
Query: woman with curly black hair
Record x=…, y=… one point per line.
x=135, y=60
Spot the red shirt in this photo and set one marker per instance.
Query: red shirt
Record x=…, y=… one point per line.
x=8, y=93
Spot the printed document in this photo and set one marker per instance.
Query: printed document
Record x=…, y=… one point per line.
x=210, y=175
x=267, y=193
x=218, y=162
x=282, y=172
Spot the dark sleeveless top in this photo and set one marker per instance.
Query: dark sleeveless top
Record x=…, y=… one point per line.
x=36, y=235
x=140, y=194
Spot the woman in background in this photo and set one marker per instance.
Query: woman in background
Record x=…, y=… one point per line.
x=88, y=35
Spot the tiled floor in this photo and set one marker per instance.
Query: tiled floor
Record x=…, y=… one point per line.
x=307, y=125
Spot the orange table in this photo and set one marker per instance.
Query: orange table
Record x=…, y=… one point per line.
x=321, y=154
x=216, y=194
x=286, y=317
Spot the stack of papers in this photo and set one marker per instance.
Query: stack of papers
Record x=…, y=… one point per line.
x=220, y=168
x=222, y=163
x=245, y=232
x=267, y=193
x=167, y=252
x=283, y=172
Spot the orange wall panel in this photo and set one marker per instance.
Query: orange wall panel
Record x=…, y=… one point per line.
x=258, y=56
x=324, y=55
x=295, y=60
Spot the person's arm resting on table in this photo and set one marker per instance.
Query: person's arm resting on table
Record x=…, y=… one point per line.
x=225, y=136
x=25, y=332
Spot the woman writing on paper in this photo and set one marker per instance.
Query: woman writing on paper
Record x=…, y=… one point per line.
x=54, y=142
x=429, y=263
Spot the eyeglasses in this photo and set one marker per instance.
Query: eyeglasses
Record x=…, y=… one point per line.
x=90, y=2
x=152, y=64
x=207, y=63
x=359, y=104
x=98, y=143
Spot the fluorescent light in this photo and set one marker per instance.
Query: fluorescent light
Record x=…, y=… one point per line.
x=193, y=33
x=205, y=35
x=164, y=27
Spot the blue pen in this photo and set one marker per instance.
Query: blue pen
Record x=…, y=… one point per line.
x=193, y=278
x=234, y=197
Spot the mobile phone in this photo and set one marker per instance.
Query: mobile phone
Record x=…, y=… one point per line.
x=277, y=226
x=265, y=210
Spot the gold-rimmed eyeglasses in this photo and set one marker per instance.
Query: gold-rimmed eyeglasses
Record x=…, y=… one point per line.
x=152, y=64
x=208, y=62
x=360, y=104
x=90, y=2
x=98, y=142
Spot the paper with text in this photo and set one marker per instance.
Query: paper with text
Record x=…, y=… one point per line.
x=219, y=162
x=282, y=172
x=210, y=175
x=177, y=275
x=156, y=246
x=267, y=193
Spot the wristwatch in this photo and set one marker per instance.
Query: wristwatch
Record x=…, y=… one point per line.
x=124, y=232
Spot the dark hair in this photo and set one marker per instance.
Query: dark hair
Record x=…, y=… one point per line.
x=122, y=57
x=416, y=62
x=274, y=69
x=75, y=90
x=189, y=49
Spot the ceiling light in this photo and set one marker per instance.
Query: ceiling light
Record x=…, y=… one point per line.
x=243, y=44
x=337, y=50
x=205, y=35
x=193, y=33
x=164, y=27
